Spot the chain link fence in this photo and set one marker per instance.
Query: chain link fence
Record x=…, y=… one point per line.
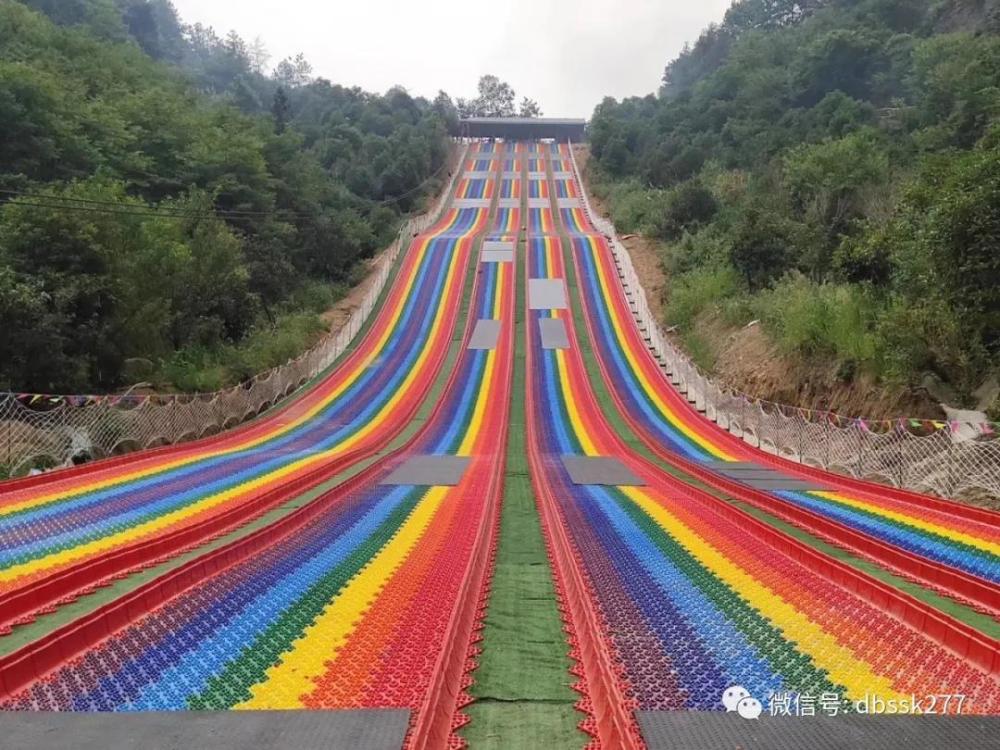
x=47, y=430
x=946, y=458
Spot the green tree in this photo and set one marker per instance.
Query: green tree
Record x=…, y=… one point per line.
x=759, y=248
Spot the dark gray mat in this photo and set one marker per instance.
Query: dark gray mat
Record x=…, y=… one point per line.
x=485, y=334
x=381, y=729
x=762, y=478
x=726, y=465
x=692, y=730
x=798, y=485
x=757, y=471
x=553, y=333
x=602, y=470
x=429, y=471
x=546, y=294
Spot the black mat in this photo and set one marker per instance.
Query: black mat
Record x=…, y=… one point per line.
x=601, y=470
x=691, y=730
x=382, y=729
x=429, y=471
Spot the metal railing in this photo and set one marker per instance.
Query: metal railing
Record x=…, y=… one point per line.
x=49, y=430
x=946, y=458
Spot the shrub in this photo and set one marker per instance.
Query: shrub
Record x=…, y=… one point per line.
x=810, y=318
x=698, y=290
x=686, y=207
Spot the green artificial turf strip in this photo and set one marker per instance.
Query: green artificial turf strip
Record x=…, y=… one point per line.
x=522, y=692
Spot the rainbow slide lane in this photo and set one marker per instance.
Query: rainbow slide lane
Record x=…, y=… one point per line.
x=672, y=596
x=950, y=547
x=67, y=532
x=366, y=597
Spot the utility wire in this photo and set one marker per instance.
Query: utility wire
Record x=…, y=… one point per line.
x=42, y=200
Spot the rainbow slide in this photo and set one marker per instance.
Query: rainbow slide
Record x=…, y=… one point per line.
x=950, y=547
x=368, y=596
x=64, y=533
x=672, y=595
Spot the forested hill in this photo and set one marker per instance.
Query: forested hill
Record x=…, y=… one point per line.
x=831, y=168
x=173, y=211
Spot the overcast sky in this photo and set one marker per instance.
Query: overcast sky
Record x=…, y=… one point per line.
x=566, y=54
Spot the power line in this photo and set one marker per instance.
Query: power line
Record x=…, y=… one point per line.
x=84, y=205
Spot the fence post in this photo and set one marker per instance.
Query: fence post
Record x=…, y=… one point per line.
x=900, y=433
x=861, y=450
x=801, y=421
x=951, y=463
x=10, y=447
x=826, y=440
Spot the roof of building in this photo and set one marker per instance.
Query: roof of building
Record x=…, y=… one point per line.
x=525, y=120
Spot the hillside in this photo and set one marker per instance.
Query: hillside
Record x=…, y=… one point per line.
x=174, y=210
x=831, y=172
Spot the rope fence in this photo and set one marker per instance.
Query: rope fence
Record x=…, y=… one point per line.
x=43, y=431
x=946, y=458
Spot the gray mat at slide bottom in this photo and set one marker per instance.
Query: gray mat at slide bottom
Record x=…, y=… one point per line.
x=761, y=477
x=429, y=471
x=381, y=729
x=496, y=256
x=546, y=294
x=485, y=334
x=691, y=730
x=602, y=470
x=553, y=333
x=498, y=245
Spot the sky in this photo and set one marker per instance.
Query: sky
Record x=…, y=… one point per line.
x=566, y=54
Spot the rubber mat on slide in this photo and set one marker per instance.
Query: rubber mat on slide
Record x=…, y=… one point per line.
x=704, y=730
x=375, y=729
